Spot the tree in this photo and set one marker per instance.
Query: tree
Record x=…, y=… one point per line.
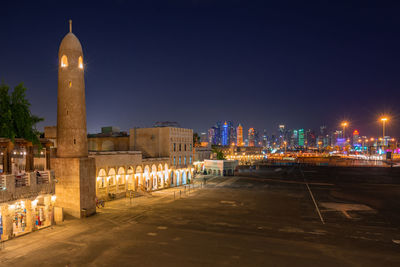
x=16, y=120
x=219, y=154
x=6, y=123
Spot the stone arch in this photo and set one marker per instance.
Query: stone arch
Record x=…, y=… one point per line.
x=111, y=176
x=121, y=175
x=131, y=183
x=153, y=168
x=183, y=177
x=166, y=172
x=177, y=178
x=171, y=176
x=138, y=176
x=101, y=178
x=107, y=145
x=153, y=177
x=146, y=177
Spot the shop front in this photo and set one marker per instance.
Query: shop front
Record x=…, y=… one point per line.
x=24, y=216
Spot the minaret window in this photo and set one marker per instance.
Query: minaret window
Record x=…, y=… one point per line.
x=64, y=61
x=80, y=63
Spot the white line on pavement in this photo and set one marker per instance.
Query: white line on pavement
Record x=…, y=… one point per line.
x=315, y=203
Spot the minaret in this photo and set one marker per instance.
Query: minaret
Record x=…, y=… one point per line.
x=71, y=109
x=74, y=170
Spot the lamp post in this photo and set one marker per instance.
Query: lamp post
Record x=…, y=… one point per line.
x=344, y=125
x=383, y=120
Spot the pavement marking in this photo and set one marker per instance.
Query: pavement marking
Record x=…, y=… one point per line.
x=315, y=203
x=345, y=207
x=228, y=202
x=152, y=234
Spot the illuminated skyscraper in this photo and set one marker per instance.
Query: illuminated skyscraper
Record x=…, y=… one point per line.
x=239, y=131
x=301, y=137
x=225, y=135
x=251, y=137
x=356, y=136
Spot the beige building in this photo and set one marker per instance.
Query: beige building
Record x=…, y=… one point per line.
x=172, y=142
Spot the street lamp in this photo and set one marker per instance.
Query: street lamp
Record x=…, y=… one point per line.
x=383, y=120
x=344, y=125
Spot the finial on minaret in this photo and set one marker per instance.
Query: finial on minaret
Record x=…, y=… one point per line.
x=70, y=25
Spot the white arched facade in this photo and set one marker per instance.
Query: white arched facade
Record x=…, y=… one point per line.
x=118, y=181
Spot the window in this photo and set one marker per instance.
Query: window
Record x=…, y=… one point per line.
x=180, y=160
x=64, y=61
x=180, y=147
x=185, y=147
x=174, y=147
x=184, y=160
x=174, y=161
x=190, y=160
x=80, y=63
x=190, y=147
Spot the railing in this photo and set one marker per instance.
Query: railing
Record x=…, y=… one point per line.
x=21, y=180
x=42, y=177
x=2, y=182
x=25, y=185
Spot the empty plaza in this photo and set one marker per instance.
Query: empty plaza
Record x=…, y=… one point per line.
x=257, y=218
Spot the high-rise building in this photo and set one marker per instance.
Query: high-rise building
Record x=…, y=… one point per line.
x=301, y=137
x=281, y=134
x=310, y=138
x=239, y=131
x=251, y=137
x=294, y=141
x=356, y=136
x=214, y=134
x=265, y=139
x=225, y=135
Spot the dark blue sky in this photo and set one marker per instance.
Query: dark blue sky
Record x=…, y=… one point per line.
x=197, y=62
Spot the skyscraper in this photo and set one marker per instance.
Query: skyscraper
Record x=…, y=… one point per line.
x=251, y=137
x=239, y=131
x=225, y=135
x=301, y=137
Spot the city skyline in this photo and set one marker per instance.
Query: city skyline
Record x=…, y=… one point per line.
x=300, y=67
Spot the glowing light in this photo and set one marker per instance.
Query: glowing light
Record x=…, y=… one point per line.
x=64, y=61
x=53, y=198
x=80, y=62
x=384, y=119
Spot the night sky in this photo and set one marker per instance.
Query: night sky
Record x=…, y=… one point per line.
x=196, y=62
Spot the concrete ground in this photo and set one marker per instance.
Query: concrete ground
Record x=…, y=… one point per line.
x=256, y=219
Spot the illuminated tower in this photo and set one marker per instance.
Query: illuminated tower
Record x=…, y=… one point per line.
x=75, y=172
x=225, y=135
x=251, y=137
x=239, y=131
x=71, y=108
